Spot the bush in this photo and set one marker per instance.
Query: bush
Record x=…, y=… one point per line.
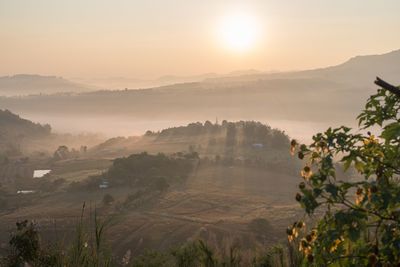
x=86, y=249
x=24, y=243
x=151, y=259
x=143, y=169
x=360, y=222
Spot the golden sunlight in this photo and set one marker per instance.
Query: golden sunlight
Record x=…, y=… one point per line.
x=238, y=32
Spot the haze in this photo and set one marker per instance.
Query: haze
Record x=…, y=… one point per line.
x=199, y=133
x=142, y=39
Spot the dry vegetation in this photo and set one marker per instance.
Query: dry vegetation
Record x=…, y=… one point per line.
x=230, y=195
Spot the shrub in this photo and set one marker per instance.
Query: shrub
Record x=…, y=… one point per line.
x=360, y=220
x=151, y=259
x=86, y=250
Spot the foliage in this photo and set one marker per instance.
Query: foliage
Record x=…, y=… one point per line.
x=24, y=243
x=149, y=170
x=86, y=250
x=191, y=254
x=359, y=219
x=26, y=248
x=186, y=255
x=151, y=259
x=242, y=133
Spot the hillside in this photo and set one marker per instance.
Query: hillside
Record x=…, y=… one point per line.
x=26, y=84
x=14, y=129
x=336, y=92
x=212, y=181
x=22, y=137
x=357, y=72
x=242, y=141
x=115, y=83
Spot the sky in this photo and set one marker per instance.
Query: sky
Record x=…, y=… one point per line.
x=149, y=38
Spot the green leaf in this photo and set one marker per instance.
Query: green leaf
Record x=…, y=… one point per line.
x=332, y=189
x=391, y=131
x=359, y=166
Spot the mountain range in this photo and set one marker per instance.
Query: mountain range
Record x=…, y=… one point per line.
x=32, y=84
x=332, y=95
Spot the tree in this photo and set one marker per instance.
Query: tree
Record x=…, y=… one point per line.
x=25, y=244
x=61, y=153
x=359, y=220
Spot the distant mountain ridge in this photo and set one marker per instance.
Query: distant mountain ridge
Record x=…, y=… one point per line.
x=32, y=84
x=357, y=71
x=361, y=70
x=333, y=95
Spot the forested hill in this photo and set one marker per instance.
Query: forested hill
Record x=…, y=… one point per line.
x=233, y=140
x=230, y=133
x=13, y=124
x=14, y=129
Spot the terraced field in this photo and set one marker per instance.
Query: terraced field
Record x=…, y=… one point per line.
x=218, y=204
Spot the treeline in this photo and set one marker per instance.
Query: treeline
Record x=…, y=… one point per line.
x=144, y=170
x=230, y=133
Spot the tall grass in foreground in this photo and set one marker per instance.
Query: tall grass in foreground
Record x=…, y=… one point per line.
x=199, y=254
x=88, y=248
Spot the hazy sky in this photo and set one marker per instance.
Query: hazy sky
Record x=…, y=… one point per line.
x=135, y=38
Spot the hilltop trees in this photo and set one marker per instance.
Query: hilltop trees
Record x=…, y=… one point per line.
x=61, y=153
x=146, y=169
x=359, y=221
x=242, y=133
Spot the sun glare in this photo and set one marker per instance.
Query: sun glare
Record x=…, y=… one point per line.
x=238, y=32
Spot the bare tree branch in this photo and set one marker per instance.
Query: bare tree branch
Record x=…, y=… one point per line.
x=391, y=88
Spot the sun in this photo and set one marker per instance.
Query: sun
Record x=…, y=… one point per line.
x=238, y=32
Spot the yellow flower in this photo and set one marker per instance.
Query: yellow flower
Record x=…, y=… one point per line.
x=370, y=140
x=306, y=173
x=304, y=246
x=335, y=244
x=314, y=232
x=312, y=236
x=300, y=224
x=359, y=196
x=292, y=233
x=295, y=232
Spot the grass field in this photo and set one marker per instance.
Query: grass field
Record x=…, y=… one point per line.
x=216, y=203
